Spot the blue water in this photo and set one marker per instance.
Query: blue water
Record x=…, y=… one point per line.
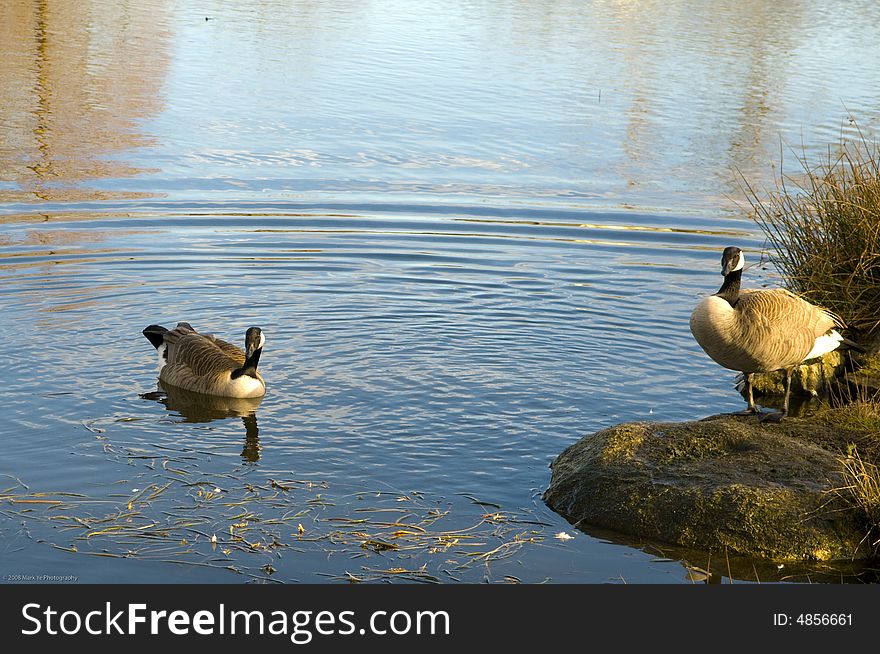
x=471, y=233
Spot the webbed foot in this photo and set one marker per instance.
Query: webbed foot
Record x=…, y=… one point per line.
x=771, y=417
x=751, y=411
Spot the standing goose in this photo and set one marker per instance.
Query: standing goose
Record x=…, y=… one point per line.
x=761, y=330
x=204, y=364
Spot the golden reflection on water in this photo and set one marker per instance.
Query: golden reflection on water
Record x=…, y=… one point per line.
x=653, y=104
x=76, y=78
x=57, y=237
x=62, y=246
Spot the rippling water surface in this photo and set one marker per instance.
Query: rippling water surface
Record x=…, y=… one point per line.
x=471, y=232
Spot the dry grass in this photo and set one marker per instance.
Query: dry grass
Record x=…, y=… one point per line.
x=858, y=415
x=861, y=487
x=854, y=416
x=858, y=411
x=824, y=229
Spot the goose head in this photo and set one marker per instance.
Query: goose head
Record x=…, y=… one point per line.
x=732, y=260
x=253, y=348
x=253, y=341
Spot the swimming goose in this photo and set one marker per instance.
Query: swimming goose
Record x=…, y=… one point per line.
x=205, y=364
x=761, y=330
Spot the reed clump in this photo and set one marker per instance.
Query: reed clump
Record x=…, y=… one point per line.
x=824, y=228
x=860, y=466
x=861, y=487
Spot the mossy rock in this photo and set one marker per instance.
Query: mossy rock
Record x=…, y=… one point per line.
x=722, y=482
x=870, y=364
x=815, y=378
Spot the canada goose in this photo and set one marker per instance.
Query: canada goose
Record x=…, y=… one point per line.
x=761, y=330
x=204, y=364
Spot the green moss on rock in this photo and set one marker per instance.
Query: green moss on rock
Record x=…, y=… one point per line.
x=722, y=482
x=809, y=379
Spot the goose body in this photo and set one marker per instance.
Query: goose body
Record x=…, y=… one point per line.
x=761, y=330
x=765, y=330
x=205, y=364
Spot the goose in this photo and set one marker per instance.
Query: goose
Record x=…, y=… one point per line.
x=205, y=364
x=762, y=330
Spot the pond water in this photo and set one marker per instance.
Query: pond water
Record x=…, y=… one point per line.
x=472, y=232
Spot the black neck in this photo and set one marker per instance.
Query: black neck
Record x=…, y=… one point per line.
x=730, y=288
x=250, y=365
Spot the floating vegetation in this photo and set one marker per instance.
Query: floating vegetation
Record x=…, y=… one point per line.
x=173, y=512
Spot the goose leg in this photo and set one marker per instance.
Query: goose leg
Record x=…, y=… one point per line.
x=752, y=408
x=777, y=416
x=787, y=391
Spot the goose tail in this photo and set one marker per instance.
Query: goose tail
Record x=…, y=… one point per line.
x=852, y=345
x=832, y=341
x=825, y=344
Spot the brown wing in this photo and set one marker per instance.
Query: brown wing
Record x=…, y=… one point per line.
x=230, y=350
x=203, y=355
x=779, y=328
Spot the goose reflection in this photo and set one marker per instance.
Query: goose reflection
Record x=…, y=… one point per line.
x=195, y=407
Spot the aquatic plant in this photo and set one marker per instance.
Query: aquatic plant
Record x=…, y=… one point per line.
x=267, y=529
x=824, y=229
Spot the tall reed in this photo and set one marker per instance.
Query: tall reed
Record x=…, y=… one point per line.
x=824, y=229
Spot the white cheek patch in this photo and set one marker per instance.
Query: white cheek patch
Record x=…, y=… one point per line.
x=740, y=263
x=162, y=350
x=262, y=340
